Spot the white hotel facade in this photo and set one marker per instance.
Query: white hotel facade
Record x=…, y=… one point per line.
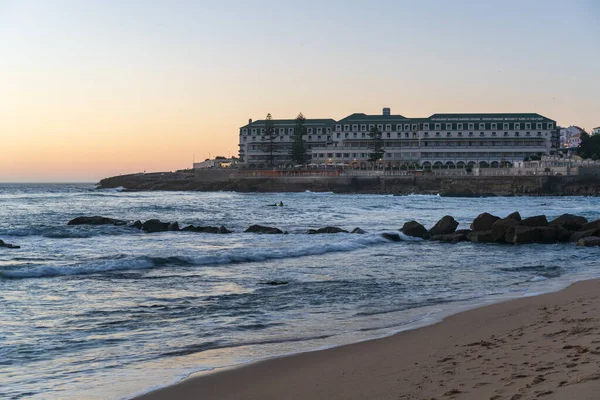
x=438, y=141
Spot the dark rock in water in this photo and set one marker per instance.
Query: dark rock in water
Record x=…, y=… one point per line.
x=569, y=221
x=327, y=229
x=174, y=226
x=263, y=229
x=137, y=224
x=589, y=241
x=563, y=235
x=533, y=234
x=96, y=220
x=358, y=230
x=538, y=220
x=591, y=225
x=576, y=236
x=451, y=237
x=502, y=227
x=222, y=230
x=444, y=226
x=516, y=216
x=480, y=237
x=274, y=283
x=206, y=229
x=483, y=222
x=414, y=229
x=8, y=245
x=393, y=237
x=155, y=225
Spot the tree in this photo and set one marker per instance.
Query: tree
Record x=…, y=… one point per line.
x=589, y=146
x=298, y=152
x=269, y=136
x=376, y=144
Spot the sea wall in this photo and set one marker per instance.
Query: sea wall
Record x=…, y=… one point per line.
x=223, y=180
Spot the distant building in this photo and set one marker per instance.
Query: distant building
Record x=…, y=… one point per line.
x=216, y=163
x=438, y=141
x=570, y=137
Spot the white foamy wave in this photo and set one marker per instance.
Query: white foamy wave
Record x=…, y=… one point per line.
x=409, y=238
x=229, y=256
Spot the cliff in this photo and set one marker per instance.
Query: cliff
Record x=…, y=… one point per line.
x=222, y=180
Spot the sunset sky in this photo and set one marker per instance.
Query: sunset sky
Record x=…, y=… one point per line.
x=90, y=89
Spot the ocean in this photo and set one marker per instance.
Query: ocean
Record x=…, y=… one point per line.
x=101, y=312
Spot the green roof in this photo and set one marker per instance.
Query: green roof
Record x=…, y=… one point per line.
x=361, y=117
x=290, y=122
x=489, y=116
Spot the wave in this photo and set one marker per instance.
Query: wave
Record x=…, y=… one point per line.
x=540, y=270
x=229, y=256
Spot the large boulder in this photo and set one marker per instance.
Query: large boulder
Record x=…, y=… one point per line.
x=516, y=216
x=569, y=221
x=137, y=224
x=414, y=229
x=263, y=229
x=591, y=225
x=483, y=222
x=589, y=241
x=502, y=227
x=8, y=245
x=444, y=226
x=453, y=238
x=358, y=230
x=524, y=234
x=480, y=237
x=393, y=237
x=206, y=229
x=538, y=220
x=576, y=236
x=155, y=225
x=327, y=229
x=96, y=220
x=173, y=226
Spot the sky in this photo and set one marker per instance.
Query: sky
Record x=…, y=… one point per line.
x=90, y=89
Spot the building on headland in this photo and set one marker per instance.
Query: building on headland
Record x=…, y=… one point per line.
x=570, y=137
x=216, y=163
x=438, y=141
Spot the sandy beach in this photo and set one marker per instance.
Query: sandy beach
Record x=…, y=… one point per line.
x=546, y=346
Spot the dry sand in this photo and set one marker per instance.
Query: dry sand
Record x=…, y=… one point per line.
x=544, y=347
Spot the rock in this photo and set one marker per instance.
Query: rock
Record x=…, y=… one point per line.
x=358, y=230
x=589, y=241
x=483, y=222
x=327, y=229
x=569, y=221
x=591, y=225
x=502, y=227
x=274, y=283
x=563, y=235
x=576, y=236
x=538, y=220
x=96, y=220
x=224, y=230
x=451, y=237
x=515, y=216
x=444, y=226
x=393, y=237
x=263, y=229
x=533, y=234
x=480, y=237
x=173, y=226
x=137, y=224
x=414, y=229
x=8, y=245
x=155, y=225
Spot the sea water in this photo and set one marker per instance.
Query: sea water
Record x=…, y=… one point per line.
x=111, y=312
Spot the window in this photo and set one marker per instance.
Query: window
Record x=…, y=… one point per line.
x=354, y=127
x=406, y=135
x=363, y=127
x=338, y=135
x=319, y=130
x=517, y=127
x=481, y=134
x=328, y=130
x=426, y=127
x=550, y=125
x=398, y=127
x=482, y=127
x=539, y=125
x=309, y=130
x=448, y=127
x=494, y=126
x=310, y=138
x=380, y=127
x=338, y=127
x=459, y=127
x=253, y=131
x=414, y=127
x=505, y=126
x=436, y=134
x=389, y=135
x=527, y=126
x=319, y=137
x=406, y=127
x=471, y=126
x=346, y=128
x=388, y=127
x=505, y=133
x=438, y=127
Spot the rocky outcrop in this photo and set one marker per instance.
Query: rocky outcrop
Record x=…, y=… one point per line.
x=535, y=221
x=414, y=229
x=155, y=225
x=455, y=237
x=393, y=237
x=516, y=216
x=263, y=229
x=484, y=222
x=576, y=236
x=137, y=224
x=358, y=231
x=8, y=245
x=327, y=229
x=589, y=241
x=444, y=226
x=569, y=221
x=96, y=220
x=503, y=228
x=206, y=229
x=480, y=236
x=591, y=225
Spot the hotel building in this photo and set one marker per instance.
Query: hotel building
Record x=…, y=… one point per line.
x=438, y=141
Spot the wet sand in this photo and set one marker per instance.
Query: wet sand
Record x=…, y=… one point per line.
x=544, y=347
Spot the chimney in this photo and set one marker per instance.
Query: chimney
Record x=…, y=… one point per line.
x=249, y=121
x=386, y=111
